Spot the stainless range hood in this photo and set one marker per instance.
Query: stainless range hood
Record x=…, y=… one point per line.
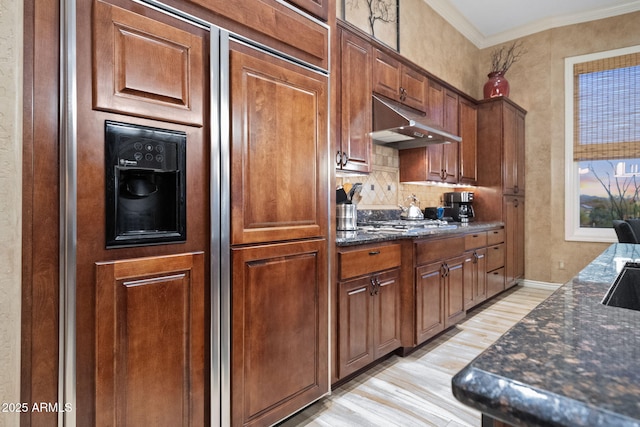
x=397, y=126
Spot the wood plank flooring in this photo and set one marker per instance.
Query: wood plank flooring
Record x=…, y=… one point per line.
x=416, y=390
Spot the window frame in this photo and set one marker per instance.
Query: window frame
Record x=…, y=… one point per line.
x=573, y=231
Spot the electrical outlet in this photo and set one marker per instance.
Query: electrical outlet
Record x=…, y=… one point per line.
x=561, y=265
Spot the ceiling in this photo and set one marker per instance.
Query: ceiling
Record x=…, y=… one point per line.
x=489, y=22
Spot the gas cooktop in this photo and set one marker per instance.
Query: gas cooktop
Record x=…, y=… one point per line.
x=403, y=225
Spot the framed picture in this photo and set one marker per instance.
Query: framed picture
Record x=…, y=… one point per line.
x=380, y=18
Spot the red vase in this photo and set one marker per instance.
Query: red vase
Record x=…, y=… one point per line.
x=497, y=85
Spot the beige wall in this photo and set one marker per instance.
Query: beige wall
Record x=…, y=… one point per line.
x=10, y=202
x=537, y=84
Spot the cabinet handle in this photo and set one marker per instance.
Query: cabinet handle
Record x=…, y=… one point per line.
x=403, y=94
x=345, y=159
x=444, y=269
x=375, y=286
x=475, y=257
x=515, y=203
x=339, y=158
x=357, y=291
x=374, y=253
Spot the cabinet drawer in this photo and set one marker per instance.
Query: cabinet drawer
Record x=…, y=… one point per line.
x=433, y=250
x=475, y=240
x=495, y=237
x=370, y=260
x=495, y=257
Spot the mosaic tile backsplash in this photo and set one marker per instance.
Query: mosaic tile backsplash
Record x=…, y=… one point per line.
x=382, y=189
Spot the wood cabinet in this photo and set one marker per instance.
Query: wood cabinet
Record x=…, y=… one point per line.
x=442, y=159
x=150, y=341
x=278, y=157
x=438, y=162
x=439, y=286
x=475, y=279
x=399, y=82
x=468, y=131
x=279, y=336
x=317, y=8
x=500, y=194
x=368, y=312
x=354, y=143
x=279, y=216
x=514, y=208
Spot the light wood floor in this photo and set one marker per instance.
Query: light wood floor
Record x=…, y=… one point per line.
x=416, y=390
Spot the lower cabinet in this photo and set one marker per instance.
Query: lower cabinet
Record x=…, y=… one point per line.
x=439, y=281
x=475, y=277
x=279, y=336
x=150, y=341
x=514, y=239
x=439, y=296
x=496, y=262
x=368, y=317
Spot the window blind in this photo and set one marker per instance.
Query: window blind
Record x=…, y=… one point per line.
x=607, y=108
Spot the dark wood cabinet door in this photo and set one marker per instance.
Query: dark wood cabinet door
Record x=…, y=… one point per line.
x=475, y=277
x=512, y=151
x=429, y=301
x=317, y=8
x=386, y=308
x=126, y=47
x=354, y=153
x=450, y=151
x=495, y=282
x=468, y=122
x=279, y=149
x=454, y=291
x=413, y=89
x=279, y=333
x=150, y=341
x=355, y=322
x=386, y=75
x=514, y=239
x=435, y=102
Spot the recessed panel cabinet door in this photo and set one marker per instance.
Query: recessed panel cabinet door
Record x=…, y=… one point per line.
x=150, y=341
x=146, y=68
x=279, y=149
x=279, y=336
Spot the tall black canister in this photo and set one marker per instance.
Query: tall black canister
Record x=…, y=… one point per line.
x=145, y=176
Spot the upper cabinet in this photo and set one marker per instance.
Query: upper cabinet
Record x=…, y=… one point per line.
x=266, y=95
x=501, y=138
x=468, y=128
x=317, y=8
x=397, y=81
x=354, y=144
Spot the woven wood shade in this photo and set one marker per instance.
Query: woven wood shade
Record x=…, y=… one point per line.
x=607, y=108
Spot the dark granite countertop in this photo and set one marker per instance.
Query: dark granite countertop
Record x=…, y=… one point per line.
x=571, y=362
x=350, y=238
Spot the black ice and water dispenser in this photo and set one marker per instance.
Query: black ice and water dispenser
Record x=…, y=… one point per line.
x=145, y=185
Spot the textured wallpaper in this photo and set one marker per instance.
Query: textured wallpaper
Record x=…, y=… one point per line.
x=10, y=202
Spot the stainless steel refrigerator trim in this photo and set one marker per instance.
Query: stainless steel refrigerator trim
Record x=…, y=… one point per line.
x=68, y=216
x=215, y=220
x=225, y=230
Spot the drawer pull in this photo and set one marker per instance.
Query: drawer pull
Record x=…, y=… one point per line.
x=475, y=235
x=374, y=253
x=357, y=291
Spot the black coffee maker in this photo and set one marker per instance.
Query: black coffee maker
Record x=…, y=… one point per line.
x=461, y=204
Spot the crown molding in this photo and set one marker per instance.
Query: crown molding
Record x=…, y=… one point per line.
x=462, y=24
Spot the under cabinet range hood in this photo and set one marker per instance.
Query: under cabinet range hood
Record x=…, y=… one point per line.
x=397, y=126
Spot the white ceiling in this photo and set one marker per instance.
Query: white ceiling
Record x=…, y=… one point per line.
x=489, y=22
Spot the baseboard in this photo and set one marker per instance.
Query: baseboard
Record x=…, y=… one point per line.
x=540, y=285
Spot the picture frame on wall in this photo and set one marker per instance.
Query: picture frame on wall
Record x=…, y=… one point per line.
x=379, y=18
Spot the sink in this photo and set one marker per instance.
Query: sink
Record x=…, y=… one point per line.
x=625, y=291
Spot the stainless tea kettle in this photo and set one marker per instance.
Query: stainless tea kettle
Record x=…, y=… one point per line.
x=412, y=211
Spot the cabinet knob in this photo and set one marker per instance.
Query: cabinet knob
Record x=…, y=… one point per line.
x=374, y=253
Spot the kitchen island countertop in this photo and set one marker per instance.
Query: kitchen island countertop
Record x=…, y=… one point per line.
x=350, y=238
x=570, y=362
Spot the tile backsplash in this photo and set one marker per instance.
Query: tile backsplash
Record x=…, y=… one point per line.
x=382, y=189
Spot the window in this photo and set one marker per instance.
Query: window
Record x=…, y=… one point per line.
x=602, y=127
